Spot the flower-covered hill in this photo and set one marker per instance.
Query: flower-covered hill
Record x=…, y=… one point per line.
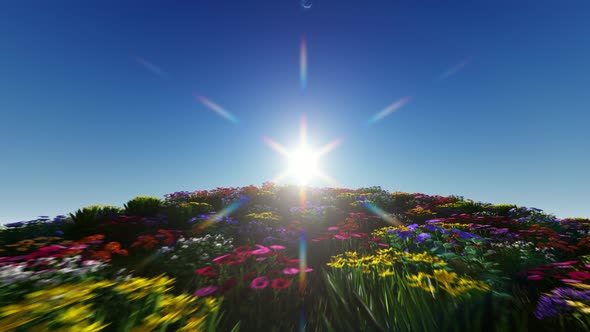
x=282, y=258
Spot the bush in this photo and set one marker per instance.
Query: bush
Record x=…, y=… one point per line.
x=500, y=209
x=143, y=206
x=466, y=206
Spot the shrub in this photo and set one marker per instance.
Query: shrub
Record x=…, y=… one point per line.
x=403, y=201
x=144, y=206
x=467, y=206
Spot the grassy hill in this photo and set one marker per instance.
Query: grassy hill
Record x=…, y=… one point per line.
x=278, y=258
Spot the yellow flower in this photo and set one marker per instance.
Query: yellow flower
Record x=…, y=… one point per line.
x=193, y=324
x=386, y=273
x=422, y=280
x=75, y=314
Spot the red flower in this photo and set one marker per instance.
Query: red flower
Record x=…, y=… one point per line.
x=280, y=283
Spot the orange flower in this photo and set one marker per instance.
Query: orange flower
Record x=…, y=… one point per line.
x=112, y=246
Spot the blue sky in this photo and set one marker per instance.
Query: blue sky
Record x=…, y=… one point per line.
x=83, y=122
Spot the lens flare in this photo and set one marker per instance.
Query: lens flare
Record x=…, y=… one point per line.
x=388, y=110
x=306, y=4
x=384, y=215
x=453, y=70
x=303, y=63
x=153, y=68
x=217, y=109
x=221, y=214
x=302, y=261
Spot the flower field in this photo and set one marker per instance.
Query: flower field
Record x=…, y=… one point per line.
x=282, y=258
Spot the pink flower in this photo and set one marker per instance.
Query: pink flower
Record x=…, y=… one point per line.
x=262, y=250
x=277, y=247
x=579, y=275
x=259, y=283
x=261, y=259
x=535, y=277
x=293, y=270
x=340, y=237
x=221, y=259
x=355, y=235
x=383, y=244
x=333, y=228
x=571, y=281
x=205, y=291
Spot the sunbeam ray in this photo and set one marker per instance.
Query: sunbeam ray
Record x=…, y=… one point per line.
x=276, y=146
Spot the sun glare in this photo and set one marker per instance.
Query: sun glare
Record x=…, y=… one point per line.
x=303, y=165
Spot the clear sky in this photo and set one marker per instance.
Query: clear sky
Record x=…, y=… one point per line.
x=97, y=98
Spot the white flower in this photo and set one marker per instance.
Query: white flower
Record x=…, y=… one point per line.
x=174, y=257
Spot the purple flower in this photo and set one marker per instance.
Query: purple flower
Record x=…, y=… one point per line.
x=548, y=306
x=412, y=227
x=422, y=236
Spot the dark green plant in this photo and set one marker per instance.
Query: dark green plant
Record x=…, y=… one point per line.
x=179, y=215
x=86, y=220
x=144, y=206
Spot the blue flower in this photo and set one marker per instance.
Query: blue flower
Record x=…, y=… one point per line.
x=433, y=228
x=412, y=227
x=422, y=236
x=404, y=235
x=466, y=235
x=15, y=224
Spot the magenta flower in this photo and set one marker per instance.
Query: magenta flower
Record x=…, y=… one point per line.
x=261, y=259
x=535, y=277
x=277, y=247
x=206, y=291
x=259, y=283
x=340, y=237
x=333, y=228
x=561, y=264
x=579, y=275
x=262, y=250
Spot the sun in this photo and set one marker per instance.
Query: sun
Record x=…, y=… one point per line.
x=303, y=163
